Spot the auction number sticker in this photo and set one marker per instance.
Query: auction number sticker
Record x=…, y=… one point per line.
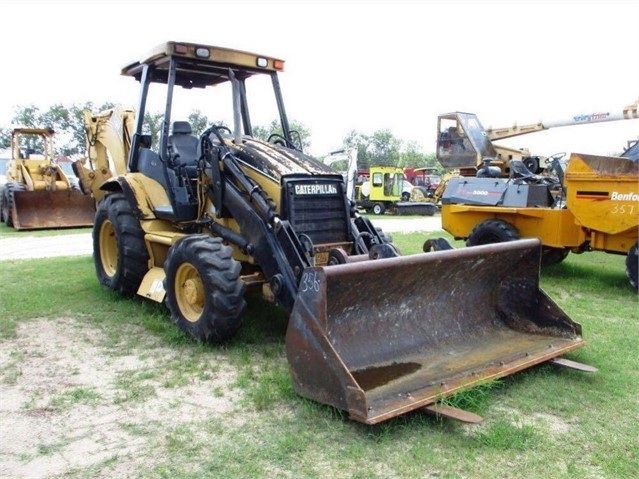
x=310, y=282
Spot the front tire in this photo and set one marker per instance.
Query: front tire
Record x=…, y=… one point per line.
x=492, y=231
x=119, y=251
x=632, y=266
x=8, y=201
x=205, y=293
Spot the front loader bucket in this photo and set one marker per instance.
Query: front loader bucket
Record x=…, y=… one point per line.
x=52, y=209
x=383, y=337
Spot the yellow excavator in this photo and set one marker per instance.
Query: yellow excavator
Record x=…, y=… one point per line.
x=194, y=222
x=38, y=194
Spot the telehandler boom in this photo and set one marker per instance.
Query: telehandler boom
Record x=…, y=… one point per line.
x=195, y=222
x=464, y=144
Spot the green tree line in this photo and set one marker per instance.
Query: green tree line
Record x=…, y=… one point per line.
x=380, y=148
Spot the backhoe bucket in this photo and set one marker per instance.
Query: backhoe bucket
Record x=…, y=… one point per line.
x=383, y=337
x=52, y=209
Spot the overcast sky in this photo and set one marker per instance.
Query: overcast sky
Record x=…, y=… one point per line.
x=354, y=65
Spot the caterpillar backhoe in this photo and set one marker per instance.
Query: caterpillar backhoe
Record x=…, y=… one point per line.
x=196, y=222
x=38, y=194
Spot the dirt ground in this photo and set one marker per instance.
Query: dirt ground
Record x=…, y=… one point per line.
x=65, y=408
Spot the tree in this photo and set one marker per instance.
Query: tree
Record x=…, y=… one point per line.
x=199, y=122
x=5, y=138
x=382, y=148
x=66, y=121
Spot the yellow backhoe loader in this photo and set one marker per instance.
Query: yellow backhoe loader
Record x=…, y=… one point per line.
x=195, y=222
x=38, y=194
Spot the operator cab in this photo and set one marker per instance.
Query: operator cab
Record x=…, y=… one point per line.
x=462, y=142
x=175, y=161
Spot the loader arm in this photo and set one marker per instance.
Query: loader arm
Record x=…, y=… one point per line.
x=271, y=240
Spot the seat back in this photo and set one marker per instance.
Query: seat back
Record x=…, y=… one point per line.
x=183, y=144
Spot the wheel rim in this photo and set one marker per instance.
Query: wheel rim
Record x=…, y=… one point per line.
x=108, y=249
x=189, y=292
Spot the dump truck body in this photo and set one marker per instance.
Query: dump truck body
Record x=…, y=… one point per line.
x=198, y=220
x=592, y=206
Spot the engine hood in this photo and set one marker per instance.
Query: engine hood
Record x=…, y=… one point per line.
x=276, y=161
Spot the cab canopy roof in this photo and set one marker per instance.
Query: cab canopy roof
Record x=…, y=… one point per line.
x=33, y=131
x=199, y=66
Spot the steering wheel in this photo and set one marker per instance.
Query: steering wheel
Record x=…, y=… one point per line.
x=223, y=128
x=557, y=156
x=277, y=139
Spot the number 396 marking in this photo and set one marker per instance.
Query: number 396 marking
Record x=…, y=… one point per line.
x=310, y=282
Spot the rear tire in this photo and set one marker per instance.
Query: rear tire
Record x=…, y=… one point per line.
x=492, y=231
x=119, y=251
x=205, y=293
x=632, y=266
x=379, y=208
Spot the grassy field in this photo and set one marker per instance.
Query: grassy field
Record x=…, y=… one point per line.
x=163, y=396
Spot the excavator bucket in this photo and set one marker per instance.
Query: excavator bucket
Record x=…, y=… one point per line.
x=383, y=337
x=52, y=209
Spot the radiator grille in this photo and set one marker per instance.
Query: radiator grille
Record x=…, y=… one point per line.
x=322, y=216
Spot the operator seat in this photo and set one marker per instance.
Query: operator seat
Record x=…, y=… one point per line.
x=183, y=147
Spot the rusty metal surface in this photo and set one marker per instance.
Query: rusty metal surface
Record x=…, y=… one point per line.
x=380, y=338
x=52, y=209
x=453, y=413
